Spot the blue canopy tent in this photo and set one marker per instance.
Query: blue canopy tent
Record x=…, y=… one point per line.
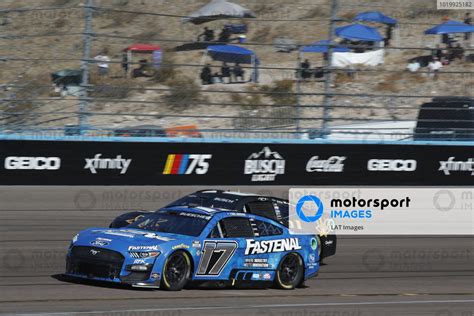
x=323, y=47
x=359, y=32
x=235, y=54
x=375, y=16
x=450, y=27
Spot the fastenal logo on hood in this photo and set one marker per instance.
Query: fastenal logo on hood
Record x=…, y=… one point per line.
x=96, y=163
x=332, y=164
x=451, y=165
x=264, y=165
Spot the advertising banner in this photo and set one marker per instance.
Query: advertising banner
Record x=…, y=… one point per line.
x=180, y=163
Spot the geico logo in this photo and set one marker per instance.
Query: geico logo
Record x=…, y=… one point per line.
x=32, y=163
x=391, y=165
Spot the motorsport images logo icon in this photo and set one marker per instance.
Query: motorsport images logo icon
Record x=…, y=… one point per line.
x=312, y=203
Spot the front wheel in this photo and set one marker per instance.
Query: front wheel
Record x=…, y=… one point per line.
x=290, y=272
x=176, y=271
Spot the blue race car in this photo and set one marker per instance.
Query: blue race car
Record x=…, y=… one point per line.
x=176, y=246
x=267, y=206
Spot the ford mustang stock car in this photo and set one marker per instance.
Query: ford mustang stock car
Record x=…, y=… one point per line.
x=266, y=206
x=179, y=245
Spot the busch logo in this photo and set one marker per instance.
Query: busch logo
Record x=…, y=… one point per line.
x=264, y=165
x=32, y=163
x=332, y=164
x=451, y=165
x=266, y=246
x=107, y=163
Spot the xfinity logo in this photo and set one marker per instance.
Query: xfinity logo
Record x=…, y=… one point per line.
x=332, y=164
x=451, y=165
x=264, y=165
x=119, y=163
x=397, y=165
x=32, y=163
x=266, y=246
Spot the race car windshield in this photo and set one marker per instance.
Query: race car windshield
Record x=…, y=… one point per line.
x=182, y=223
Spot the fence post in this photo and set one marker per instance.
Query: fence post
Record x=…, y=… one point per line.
x=87, y=38
x=327, y=102
x=298, y=94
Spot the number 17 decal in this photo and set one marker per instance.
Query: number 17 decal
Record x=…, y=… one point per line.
x=215, y=255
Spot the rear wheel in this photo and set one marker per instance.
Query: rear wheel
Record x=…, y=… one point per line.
x=290, y=272
x=176, y=271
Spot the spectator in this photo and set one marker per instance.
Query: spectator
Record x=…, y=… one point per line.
x=125, y=65
x=208, y=35
x=413, y=66
x=305, y=69
x=437, y=52
x=238, y=72
x=224, y=36
x=103, y=63
x=206, y=74
x=457, y=52
x=434, y=66
x=318, y=72
x=142, y=70
x=225, y=73
x=467, y=20
x=388, y=35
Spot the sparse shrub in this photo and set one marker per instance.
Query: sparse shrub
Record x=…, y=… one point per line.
x=390, y=82
x=262, y=35
x=167, y=71
x=59, y=3
x=114, y=89
x=317, y=12
x=387, y=86
x=349, y=15
x=60, y=23
x=281, y=92
x=341, y=78
x=146, y=36
x=22, y=99
x=237, y=98
x=184, y=91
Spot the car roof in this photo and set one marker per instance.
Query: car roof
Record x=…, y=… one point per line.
x=214, y=211
x=230, y=200
x=197, y=209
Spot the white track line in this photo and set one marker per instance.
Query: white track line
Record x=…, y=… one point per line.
x=248, y=307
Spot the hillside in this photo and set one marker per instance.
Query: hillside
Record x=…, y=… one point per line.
x=56, y=43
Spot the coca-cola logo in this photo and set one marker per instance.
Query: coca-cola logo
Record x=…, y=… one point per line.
x=332, y=164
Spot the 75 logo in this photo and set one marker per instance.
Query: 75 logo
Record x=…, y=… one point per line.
x=187, y=164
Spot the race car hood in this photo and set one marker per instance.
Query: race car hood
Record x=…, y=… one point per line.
x=124, y=239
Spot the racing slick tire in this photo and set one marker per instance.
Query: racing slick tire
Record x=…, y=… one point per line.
x=176, y=271
x=290, y=272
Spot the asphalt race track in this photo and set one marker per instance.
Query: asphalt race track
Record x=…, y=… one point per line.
x=368, y=276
